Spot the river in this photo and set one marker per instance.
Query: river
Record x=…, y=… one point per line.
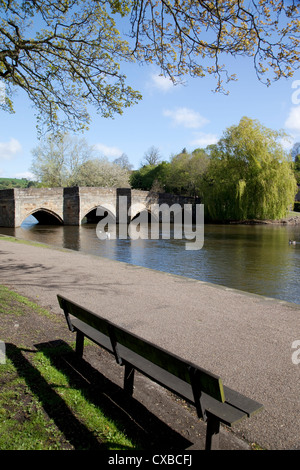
x=252, y=258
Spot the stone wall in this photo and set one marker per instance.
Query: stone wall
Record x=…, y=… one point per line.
x=38, y=201
x=7, y=208
x=69, y=206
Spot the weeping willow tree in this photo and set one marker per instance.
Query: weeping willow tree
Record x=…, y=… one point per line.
x=250, y=175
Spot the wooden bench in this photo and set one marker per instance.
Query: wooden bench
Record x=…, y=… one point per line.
x=214, y=402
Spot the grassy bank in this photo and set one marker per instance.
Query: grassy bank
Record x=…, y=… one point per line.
x=45, y=403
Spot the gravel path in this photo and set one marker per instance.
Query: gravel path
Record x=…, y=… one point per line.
x=244, y=338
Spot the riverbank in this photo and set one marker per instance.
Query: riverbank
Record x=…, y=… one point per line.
x=292, y=219
x=246, y=339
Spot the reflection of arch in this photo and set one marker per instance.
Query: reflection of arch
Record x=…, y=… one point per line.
x=97, y=213
x=143, y=221
x=145, y=216
x=136, y=209
x=141, y=210
x=46, y=217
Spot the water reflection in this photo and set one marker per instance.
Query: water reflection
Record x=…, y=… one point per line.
x=255, y=259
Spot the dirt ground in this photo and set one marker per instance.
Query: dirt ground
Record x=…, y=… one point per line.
x=153, y=417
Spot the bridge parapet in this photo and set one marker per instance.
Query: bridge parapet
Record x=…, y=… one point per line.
x=69, y=206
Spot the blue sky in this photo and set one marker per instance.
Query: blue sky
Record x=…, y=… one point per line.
x=168, y=117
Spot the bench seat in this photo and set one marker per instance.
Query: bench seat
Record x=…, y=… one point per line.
x=214, y=402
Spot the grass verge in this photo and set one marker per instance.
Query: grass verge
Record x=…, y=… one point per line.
x=43, y=404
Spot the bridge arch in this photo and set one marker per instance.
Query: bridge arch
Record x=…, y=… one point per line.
x=96, y=213
x=44, y=216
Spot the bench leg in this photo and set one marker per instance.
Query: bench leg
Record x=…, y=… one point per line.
x=212, y=433
x=79, y=343
x=128, y=378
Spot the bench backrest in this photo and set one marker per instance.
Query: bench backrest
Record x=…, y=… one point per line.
x=200, y=379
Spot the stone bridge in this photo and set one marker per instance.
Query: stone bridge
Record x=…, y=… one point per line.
x=74, y=206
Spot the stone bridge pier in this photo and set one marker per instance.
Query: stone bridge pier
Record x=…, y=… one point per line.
x=76, y=205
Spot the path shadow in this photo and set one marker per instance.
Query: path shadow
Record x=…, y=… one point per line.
x=139, y=424
x=38, y=274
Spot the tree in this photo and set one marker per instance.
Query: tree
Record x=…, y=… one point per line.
x=73, y=58
x=100, y=172
x=296, y=156
x=297, y=169
x=57, y=160
x=250, y=176
x=152, y=156
x=193, y=37
x=63, y=161
x=123, y=162
x=151, y=177
x=187, y=172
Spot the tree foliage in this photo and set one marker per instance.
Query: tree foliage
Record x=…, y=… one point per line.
x=63, y=160
x=194, y=37
x=68, y=54
x=186, y=172
x=182, y=175
x=65, y=55
x=149, y=175
x=250, y=176
x=57, y=159
x=100, y=172
x=296, y=158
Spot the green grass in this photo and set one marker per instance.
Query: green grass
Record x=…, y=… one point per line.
x=85, y=411
x=24, y=425
x=44, y=405
x=12, y=303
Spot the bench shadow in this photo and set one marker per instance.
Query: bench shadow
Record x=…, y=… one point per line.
x=74, y=431
x=146, y=430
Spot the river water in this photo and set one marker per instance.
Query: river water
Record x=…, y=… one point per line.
x=252, y=258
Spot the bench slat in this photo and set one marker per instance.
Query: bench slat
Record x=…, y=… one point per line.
x=209, y=383
x=238, y=400
x=228, y=415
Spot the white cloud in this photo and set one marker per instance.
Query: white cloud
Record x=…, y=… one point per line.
x=293, y=120
x=202, y=140
x=161, y=83
x=108, y=151
x=186, y=117
x=9, y=149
